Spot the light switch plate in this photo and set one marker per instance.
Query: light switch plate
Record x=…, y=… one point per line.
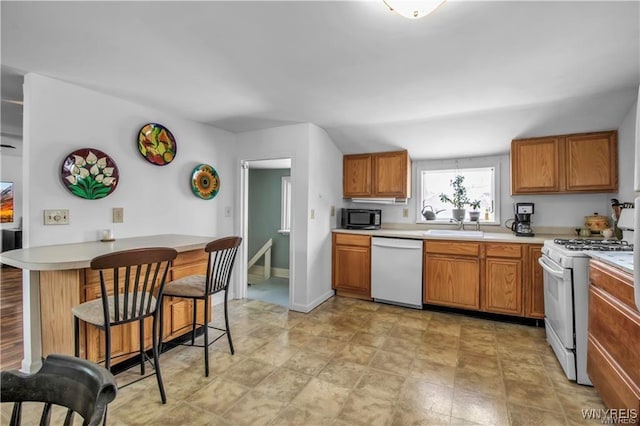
x=118, y=215
x=56, y=217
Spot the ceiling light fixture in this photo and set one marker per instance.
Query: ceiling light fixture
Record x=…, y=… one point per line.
x=413, y=9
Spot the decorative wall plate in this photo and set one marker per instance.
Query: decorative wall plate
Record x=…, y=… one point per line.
x=157, y=144
x=89, y=173
x=205, y=182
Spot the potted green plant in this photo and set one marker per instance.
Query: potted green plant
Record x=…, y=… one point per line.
x=459, y=199
x=474, y=215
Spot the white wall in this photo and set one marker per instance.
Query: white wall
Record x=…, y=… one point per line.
x=325, y=191
x=627, y=155
x=316, y=180
x=285, y=142
x=60, y=118
x=11, y=171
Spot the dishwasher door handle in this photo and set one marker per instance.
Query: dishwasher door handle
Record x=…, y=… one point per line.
x=391, y=245
x=396, y=243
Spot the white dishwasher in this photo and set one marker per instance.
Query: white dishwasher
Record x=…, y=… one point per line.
x=396, y=271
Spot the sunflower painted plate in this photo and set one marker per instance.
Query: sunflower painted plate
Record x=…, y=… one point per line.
x=205, y=182
x=89, y=173
x=157, y=144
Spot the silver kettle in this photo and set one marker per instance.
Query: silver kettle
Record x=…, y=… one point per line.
x=428, y=213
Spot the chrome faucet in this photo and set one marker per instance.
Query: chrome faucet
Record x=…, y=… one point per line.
x=460, y=223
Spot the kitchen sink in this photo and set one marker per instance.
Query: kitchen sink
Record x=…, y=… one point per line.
x=453, y=233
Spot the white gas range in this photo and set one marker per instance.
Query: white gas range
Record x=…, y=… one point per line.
x=566, y=299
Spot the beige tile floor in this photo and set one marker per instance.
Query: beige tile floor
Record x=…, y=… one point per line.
x=351, y=362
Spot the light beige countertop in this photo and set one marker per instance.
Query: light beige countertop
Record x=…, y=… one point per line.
x=421, y=234
x=78, y=255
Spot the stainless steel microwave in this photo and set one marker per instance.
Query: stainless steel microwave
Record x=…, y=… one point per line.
x=361, y=219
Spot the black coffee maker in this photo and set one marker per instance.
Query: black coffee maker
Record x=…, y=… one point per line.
x=522, y=223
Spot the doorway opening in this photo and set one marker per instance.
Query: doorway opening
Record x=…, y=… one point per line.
x=267, y=200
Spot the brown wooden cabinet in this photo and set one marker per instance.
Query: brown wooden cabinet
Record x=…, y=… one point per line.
x=535, y=165
x=356, y=175
x=488, y=277
x=381, y=174
x=576, y=163
x=178, y=312
x=534, y=285
x=121, y=341
x=351, y=265
x=592, y=162
x=452, y=274
x=613, y=351
x=503, y=279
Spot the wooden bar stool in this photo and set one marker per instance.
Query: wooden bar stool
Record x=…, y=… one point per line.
x=222, y=255
x=137, y=277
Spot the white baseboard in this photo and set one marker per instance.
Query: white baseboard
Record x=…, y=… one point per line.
x=311, y=306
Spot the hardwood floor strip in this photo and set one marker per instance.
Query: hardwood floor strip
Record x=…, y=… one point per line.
x=11, y=350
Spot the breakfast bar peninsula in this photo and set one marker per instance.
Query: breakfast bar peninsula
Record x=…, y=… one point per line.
x=58, y=277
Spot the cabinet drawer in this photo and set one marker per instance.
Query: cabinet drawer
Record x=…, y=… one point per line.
x=92, y=277
x=613, y=281
x=183, y=271
x=613, y=385
x=617, y=329
x=504, y=250
x=192, y=256
x=452, y=247
x=352, y=240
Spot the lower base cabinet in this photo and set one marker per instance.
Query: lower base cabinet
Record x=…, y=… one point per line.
x=351, y=265
x=501, y=278
x=498, y=278
x=452, y=274
x=503, y=289
x=534, y=284
x=613, y=351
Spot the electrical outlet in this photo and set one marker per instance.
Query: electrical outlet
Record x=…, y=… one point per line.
x=227, y=211
x=56, y=217
x=118, y=215
x=405, y=212
x=333, y=211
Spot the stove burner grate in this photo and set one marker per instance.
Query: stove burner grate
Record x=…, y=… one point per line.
x=593, y=244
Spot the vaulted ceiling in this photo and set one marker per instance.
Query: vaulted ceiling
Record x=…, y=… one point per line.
x=463, y=81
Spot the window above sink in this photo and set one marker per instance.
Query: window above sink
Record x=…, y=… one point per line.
x=482, y=184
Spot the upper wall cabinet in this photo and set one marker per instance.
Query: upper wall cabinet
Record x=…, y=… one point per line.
x=356, y=175
x=381, y=174
x=585, y=162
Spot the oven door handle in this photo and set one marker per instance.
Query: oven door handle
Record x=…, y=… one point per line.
x=555, y=272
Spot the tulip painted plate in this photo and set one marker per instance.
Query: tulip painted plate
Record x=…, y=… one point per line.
x=205, y=182
x=157, y=144
x=89, y=173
